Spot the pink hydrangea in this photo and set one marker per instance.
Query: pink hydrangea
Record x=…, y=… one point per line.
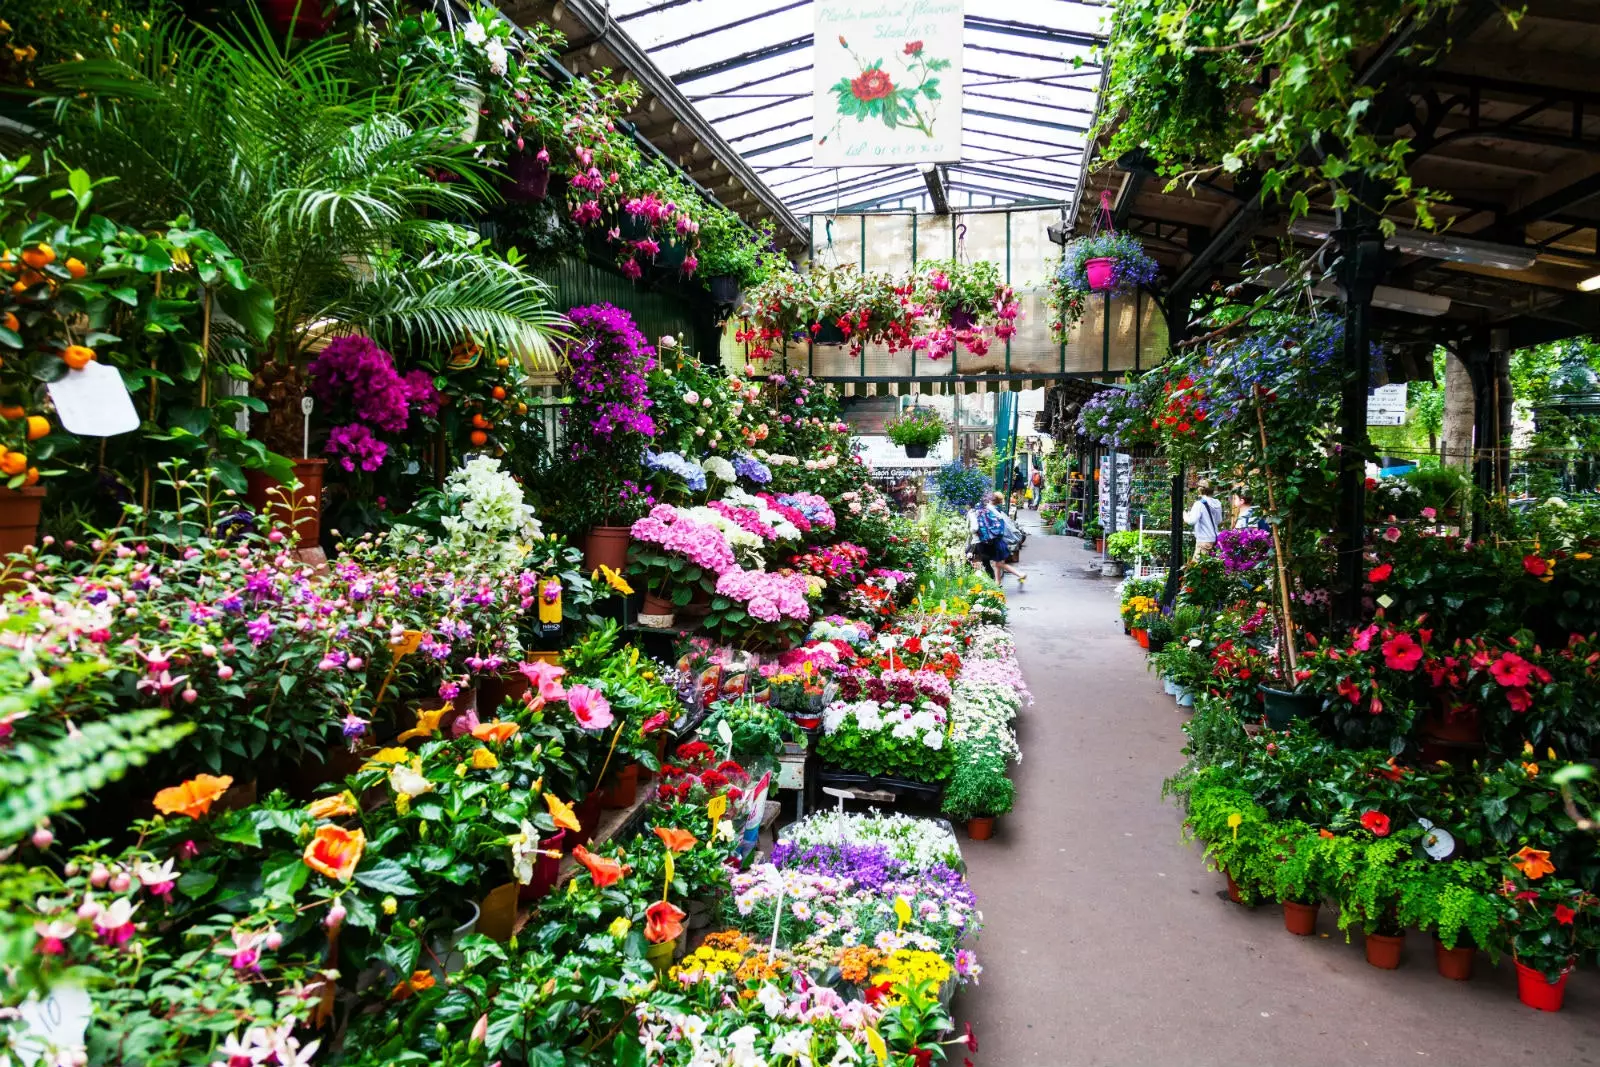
x=768, y=597
x=700, y=543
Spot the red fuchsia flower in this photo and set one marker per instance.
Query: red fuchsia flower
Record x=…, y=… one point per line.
x=1511, y=670
x=871, y=85
x=1380, y=573
x=1565, y=915
x=1535, y=566
x=1377, y=822
x=1402, y=653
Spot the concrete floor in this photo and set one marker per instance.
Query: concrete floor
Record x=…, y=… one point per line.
x=1106, y=940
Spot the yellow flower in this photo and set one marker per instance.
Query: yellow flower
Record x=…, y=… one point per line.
x=1532, y=769
x=619, y=927
x=390, y=905
x=615, y=580
x=332, y=807
x=1583, y=555
x=484, y=760
x=385, y=756
x=561, y=812
x=427, y=723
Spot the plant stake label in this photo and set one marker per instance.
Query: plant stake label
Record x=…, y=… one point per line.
x=94, y=402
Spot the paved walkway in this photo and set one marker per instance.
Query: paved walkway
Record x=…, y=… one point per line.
x=1107, y=941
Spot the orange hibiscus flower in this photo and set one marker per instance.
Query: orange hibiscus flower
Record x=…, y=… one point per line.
x=418, y=981
x=663, y=922
x=194, y=797
x=335, y=851
x=1534, y=863
x=676, y=840
x=604, y=871
x=333, y=807
x=561, y=812
x=496, y=731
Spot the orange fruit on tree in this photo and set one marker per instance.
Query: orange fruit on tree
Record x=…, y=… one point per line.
x=78, y=357
x=502, y=362
x=31, y=278
x=40, y=257
x=480, y=422
x=522, y=409
x=11, y=322
x=498, y=392
x=76, y=267
x=12, y=463
x=8, y=262
x=12, y=411
x=31, y=477
x=38, y=426
x=478, y=438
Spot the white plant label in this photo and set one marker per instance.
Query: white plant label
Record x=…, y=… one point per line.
x=94, y=402
x=57, y=1024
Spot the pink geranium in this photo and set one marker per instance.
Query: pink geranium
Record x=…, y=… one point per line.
x=590, y=707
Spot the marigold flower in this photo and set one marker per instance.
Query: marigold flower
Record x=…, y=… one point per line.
x=194, y=797
x=1534, y=863
x=335, y=851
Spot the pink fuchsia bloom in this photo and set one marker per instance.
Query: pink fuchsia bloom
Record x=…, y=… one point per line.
x=53, y=937
x=590, y=707
x=245, y=952
x=114, y=926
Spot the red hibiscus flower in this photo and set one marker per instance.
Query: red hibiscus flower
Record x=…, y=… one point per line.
x=1511, y=670
x=871, y=85
x=1565, y=915
x=1350, y=690
x=1377, y=822
x=663, y=922
x=1535, y=566
x=875, y=993
x=1402, y=653
x=1380, y=573
x=1519, y=699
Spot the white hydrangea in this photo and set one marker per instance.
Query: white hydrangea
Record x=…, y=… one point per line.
x=490, y=511
x=720, y=469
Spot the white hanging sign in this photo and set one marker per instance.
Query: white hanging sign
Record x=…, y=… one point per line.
x=94, y=402
x=1386, y=405
x=888, y=82
x=52, y=1028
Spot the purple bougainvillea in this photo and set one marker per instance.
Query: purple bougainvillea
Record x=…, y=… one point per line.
x=608, y=362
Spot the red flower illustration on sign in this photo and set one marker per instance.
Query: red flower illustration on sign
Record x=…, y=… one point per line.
x=871, y=85
x=913, y=48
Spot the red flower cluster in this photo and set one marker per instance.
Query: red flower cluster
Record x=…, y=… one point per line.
x=1184, y=411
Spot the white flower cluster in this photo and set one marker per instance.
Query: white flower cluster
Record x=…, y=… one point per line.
x=786, y=530
x=490, y=511
x=920, y=843
x=924, y=721
x=989, y=692
x=719, y=468
x=777, y=459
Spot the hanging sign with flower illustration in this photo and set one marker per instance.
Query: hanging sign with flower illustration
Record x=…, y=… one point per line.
x=888, y=82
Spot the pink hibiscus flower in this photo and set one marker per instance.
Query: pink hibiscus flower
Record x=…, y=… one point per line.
x=589, y=707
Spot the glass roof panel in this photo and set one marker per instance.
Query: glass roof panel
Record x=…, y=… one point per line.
x=1031, y=88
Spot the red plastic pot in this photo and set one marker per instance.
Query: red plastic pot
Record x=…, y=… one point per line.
x=1537, y=991
x=546, y=869
x=1383, y=950
x=980, y=827
x=1233, y=889
x=1102, y=272
x=1454, y=963
x=657, y=611
x=1300, y=919
x=1141, y=636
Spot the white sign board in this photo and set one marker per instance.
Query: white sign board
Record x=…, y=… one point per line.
x=888, y=82
x=94, y=402
x=1386, y=405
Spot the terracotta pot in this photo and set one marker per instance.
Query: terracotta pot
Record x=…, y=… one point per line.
x=607, y=545
x=286, y=505
x=657, y=612
x=1141, y=636
x=1233, y=889
x=980, y=827
x=1383, y=950
x=624, y=789
x=19, y=518
x=1300, y=919
x=1454, y=963
x=1099, y=544
x=546, y=869
x=1537, y=991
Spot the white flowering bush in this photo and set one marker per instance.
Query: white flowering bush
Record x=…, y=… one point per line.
x=906, y=740
x=918, y=843
x=489, y=513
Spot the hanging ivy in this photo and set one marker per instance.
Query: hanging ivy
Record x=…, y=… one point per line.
x=1212, y=86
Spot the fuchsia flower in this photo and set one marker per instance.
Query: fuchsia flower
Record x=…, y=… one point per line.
x=590, y=707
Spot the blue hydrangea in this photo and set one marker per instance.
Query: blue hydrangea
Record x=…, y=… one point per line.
x=746, y=466
x=687, y=470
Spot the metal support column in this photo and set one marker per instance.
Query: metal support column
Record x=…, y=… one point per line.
x=1176, y=310
x=1360, y=266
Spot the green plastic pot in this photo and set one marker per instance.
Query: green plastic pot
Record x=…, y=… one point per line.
x=1282, y=707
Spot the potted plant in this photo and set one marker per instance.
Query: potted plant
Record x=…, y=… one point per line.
x=1551, y=922
x=1158, y=627
x=965, y=295
x=1106, y=262
x=1298, y=878
x=1094, y=534
x=916, y=429
x=1456, y=899
x=1371, y=891
x=979, y=791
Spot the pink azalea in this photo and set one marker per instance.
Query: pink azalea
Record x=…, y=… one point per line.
x=590, y=707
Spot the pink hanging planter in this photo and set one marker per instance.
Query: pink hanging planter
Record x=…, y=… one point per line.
x=1102, y=273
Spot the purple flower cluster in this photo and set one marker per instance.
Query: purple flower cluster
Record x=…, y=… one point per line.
x=1243, y=550
x=868, y=866
x=607, y=364
x=1116, y=416
x=355, y=445
x=355, y=367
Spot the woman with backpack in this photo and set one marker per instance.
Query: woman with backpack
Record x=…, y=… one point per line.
x=994, y=535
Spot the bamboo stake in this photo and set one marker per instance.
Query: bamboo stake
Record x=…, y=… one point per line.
x=205, y=350
x=1286, y=621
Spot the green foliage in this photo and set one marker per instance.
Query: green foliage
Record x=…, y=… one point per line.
x=979, y=787
x=1131, y=546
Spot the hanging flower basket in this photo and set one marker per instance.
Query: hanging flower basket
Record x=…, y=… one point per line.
x=1102, y=273
x=1106, y=263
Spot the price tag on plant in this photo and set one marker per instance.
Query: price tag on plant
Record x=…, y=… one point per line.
x=53, y=1028
x=94, y=402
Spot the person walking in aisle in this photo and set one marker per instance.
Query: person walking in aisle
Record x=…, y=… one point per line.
x=1245, y=518
x=1205, y=515
x=993, y=546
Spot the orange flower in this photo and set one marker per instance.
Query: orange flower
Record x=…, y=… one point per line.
x=418, y=981
x=496, y=731
x=1534, y=863
x=1324, y=833
x=663, y=922
x=333, y=807
x=604, y=871
x=676, y=840
x=335, y=851
x=194, y=797
x=561, y=813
